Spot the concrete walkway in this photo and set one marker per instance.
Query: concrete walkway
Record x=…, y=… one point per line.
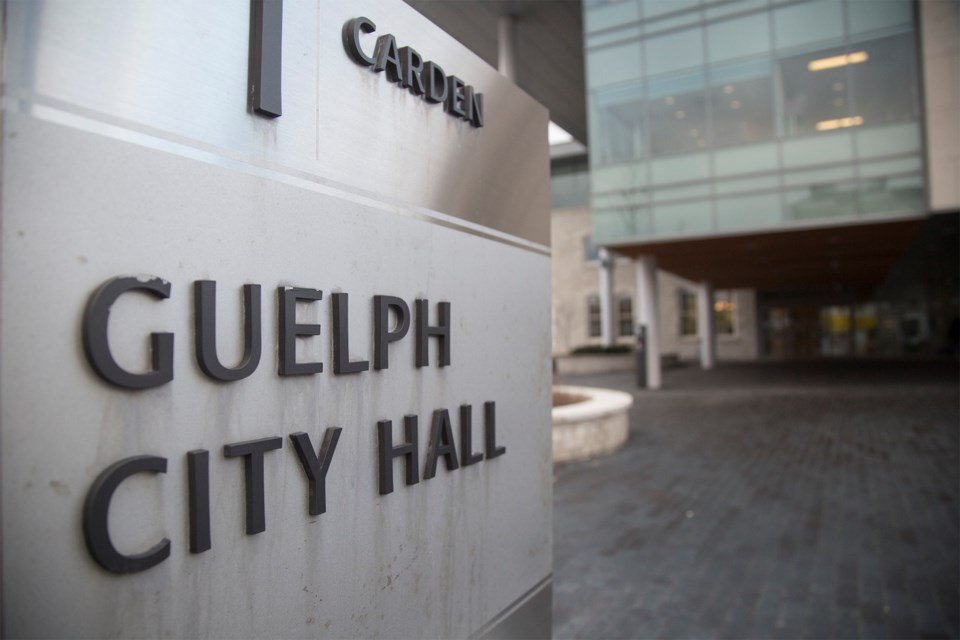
x=768, y=500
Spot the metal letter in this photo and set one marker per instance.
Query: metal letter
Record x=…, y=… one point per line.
x=382, y=336
x=205, y=316
x=97, y=347
x=97, y=506
x=316, y=467
x=341, y=338
x=474, y=102
x=351, y=39
x=387, y=57
x=441, y=444
x=435, y=82
x=467, y=457
x=252, y=453
x=441, y=331
x=387, y=452
x=455, y=97
x=289, y=330
x=411, y=66
x=490, y=430
x=266, y=44
x=198, y=494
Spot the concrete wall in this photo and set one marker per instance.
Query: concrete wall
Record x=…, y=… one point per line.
x=574, y=279
x=940, y=38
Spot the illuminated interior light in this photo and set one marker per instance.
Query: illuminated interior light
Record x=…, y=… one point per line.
x=680, y=115
x=735, y=104
x=668, y=100
x=839, y=123
x=728, y=89
x=838, y=61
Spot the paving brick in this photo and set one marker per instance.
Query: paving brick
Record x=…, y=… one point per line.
x=762, y=500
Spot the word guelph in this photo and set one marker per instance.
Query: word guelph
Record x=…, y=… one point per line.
x=315, y=464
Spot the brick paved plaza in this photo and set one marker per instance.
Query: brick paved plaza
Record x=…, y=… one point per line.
x=768, y=500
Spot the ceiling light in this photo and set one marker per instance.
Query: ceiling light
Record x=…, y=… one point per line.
x=838, y=61
x=735, y=104
x=839, y=123
x=680, y=114
x=668, y=100
x=728, y=89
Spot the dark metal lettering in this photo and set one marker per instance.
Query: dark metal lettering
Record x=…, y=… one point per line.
x=97, y=507
x=205, y=330
x=441, y=444
x=382, y=336
x=351, y=39
x=289, y=330
x=341, y=338
x=198, y=494
x=411, y=66
x=266, y=44
x=474, y=102
x=435, y=82
x=441, y=331
x=490, y=430
x=387, y=57
x=467, y=457
x=316, y=466
x=96, y=346
x=455, y=97
x=252, y=453
x=387, y=452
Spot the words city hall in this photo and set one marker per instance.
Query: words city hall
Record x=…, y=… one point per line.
x=315, y=463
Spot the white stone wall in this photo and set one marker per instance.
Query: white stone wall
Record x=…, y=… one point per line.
x=574, y=279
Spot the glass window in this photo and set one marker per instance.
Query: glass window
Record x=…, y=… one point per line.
x=593, y=316
x=609, y=65
x=693, y=166
x=687, y=217
x=653, y=8
x=815, y=92
x=831, y=146
x=676, y=108
x=885, y=83
x=674, y=51
x=569, y=185
x=591, y=252
x=891, y=195
x=725, y=313
x=748, y=212
x=752, y=159
x=741, y=103
x=890, y=140
x=601, y=14
x=688, y=313
x=618, y=130
x=739, y=37
x=808, y=22
x=822, y=201
x=625, y=315
x=870, y=16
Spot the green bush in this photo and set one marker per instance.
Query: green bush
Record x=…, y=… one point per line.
x=596, y=349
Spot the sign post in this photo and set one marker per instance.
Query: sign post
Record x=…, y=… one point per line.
x=275, y=349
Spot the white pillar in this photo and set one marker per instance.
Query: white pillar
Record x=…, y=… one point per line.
x=648, y=303
x=505, y=47
x=606, y=297
x=708, y=333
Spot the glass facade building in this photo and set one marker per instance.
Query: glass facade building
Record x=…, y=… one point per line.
x=750, y=115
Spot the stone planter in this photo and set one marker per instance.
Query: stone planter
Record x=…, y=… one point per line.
x=597, y=425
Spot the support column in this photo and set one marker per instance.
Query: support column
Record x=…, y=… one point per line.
x=649, y=306
x=505, y=47
x=606, y=297
x=706, y=320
